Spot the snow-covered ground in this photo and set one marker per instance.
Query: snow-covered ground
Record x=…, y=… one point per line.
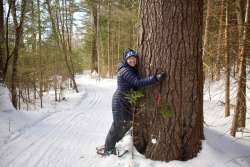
x=66, y=134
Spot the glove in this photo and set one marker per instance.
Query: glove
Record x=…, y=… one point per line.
x=160, y=77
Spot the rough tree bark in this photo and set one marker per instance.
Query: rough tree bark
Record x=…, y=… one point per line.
x=205, y=40
x=227, y=66
x=8, y=56
x=33, y=48
x=240, y=22
x=240, y=98
x=18, y=35
x=219, y=42
x=94, y=56
x=69, y=29
x=109, y=39
x=40, y=54
x=171, y=40
x=2, y=50
x=242, y=95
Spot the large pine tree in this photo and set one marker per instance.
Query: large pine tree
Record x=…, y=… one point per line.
x=171, y=41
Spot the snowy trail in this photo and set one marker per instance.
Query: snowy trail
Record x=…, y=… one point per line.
x=68, y=137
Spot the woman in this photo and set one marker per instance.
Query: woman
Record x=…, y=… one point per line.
x=127, y=79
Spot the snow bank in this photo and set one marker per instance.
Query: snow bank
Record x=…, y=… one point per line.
x=12, y=122
x=5, y=101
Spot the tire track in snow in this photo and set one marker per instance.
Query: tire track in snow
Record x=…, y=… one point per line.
x=47, y=117
x=76, y=154
x=31, y=148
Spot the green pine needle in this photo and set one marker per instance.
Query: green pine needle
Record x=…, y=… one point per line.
x=134, y=96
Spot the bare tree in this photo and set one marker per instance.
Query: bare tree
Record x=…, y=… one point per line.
x=57, y=19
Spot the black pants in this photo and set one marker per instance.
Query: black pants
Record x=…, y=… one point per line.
x=116, y=133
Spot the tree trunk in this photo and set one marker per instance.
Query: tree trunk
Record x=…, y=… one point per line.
x=112, y=55
x=33, y=46
x=98, y=42
x=205, y=40
x=14, y=77
x=240, y=109
x=239, y=15
x=219, y=43
x=18, y=35
x=40, y=54
x=69, y=28
x=109, y=39
x=8, y=56
x=242, y=98
x=119, y=40
x=94, y=61
x=227, y=67
x=6, y=63
x=2, y=50
x=171, y=40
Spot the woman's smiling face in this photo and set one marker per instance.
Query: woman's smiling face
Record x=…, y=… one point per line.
x=131, y=61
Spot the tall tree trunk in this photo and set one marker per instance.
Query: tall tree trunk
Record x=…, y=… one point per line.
x=227, y=66
x=119, y=40
x=240, y=109
x=242, y=98
x=18, y=35
x=33, y=48
x=94, y=65
x=40, y=54
x=109, y=38
x=69, y=29
x=240, y=18
x=219, y=43
x=112, y=55
x=171, y=40
x=205, y=39
x=2, y=50
x=8, y=56
x=98, y=42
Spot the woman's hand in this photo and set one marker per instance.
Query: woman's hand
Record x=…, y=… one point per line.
x=161, y=76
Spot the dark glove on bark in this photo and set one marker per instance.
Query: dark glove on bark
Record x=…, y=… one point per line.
x=162, y=76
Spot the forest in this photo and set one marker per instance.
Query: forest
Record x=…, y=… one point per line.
x=45, y=44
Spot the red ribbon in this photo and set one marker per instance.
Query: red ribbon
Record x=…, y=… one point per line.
x=158, y=100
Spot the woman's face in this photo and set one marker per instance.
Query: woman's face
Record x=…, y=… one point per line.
x=131, y=61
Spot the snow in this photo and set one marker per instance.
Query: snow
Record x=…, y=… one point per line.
x=154, y=141
x=66, y=134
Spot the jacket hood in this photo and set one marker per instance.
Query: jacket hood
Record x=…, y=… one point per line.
x=126, y=54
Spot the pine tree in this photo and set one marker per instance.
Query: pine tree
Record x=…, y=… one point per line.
x=171, y=41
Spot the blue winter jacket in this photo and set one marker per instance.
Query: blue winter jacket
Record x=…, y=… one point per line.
x=127, y=79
